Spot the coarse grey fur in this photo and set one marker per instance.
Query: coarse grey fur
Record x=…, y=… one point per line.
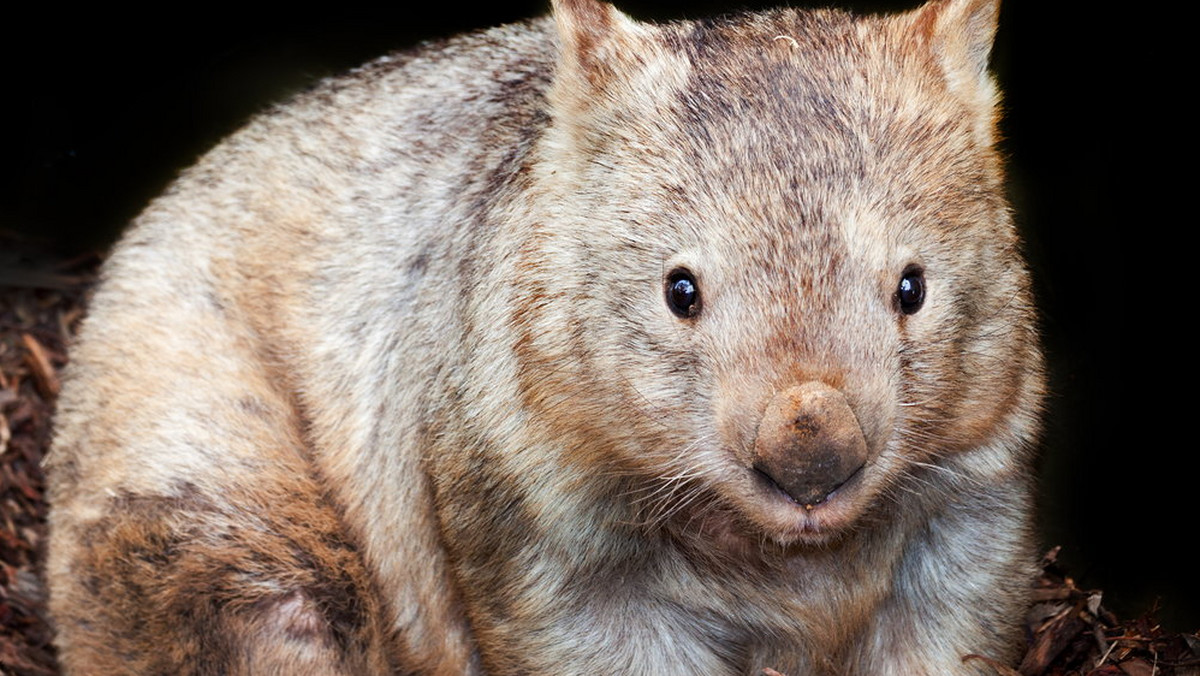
x=392, y=382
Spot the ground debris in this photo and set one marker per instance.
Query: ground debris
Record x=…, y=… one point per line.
x=1071, y=633
x=41, y=301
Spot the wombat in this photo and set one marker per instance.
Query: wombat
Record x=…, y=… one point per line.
x=576, y=346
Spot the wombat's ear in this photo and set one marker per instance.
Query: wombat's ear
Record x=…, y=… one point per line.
x=598, y=48
x=959, y=34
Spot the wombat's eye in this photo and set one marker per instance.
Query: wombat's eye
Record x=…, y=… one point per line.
x=683, y=295
x=910, y=294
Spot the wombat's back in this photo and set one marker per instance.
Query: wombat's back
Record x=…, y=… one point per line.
x=233, y=365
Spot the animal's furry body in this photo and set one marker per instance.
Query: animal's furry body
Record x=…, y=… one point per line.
x=398, y=378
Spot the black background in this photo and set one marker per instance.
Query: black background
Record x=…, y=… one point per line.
x=103, y=108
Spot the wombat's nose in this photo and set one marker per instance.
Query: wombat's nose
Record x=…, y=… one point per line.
x=809, y=442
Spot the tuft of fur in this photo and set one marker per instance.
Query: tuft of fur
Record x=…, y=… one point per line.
x=391, y=382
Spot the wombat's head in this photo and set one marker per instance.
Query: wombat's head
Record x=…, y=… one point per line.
x=775, y=274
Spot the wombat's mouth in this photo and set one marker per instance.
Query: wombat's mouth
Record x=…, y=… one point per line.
x=814, y=519
x=812, y=498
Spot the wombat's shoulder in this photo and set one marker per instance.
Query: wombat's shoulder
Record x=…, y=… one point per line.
x=404, y=147
x=428, y=101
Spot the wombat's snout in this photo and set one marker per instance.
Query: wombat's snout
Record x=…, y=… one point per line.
x=809, y=442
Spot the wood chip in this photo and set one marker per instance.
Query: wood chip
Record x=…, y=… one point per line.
x=44, y=372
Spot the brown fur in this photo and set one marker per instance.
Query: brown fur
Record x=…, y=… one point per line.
x=388, y=382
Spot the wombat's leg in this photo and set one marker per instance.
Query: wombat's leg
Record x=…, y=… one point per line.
x=961, y=589
x=190, y=531
x=188, y=584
